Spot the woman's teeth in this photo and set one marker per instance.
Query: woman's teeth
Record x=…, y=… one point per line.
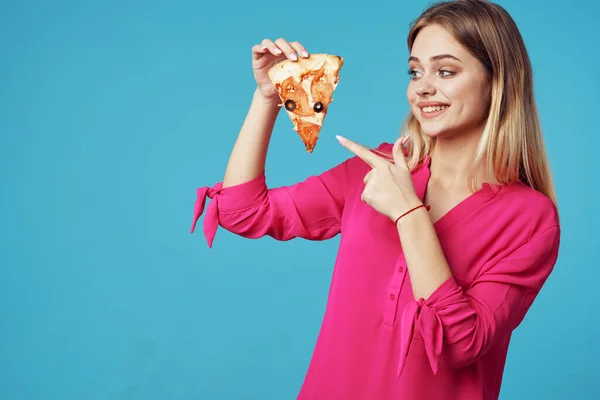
x=434, y=108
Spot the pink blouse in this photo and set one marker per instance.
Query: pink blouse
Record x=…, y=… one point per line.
x=377, y=342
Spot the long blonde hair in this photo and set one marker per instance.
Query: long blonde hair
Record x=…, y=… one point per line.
x=511, y=147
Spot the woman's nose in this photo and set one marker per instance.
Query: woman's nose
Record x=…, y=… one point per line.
x=424, y=87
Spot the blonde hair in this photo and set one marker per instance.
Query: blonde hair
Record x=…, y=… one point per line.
x=511, y=147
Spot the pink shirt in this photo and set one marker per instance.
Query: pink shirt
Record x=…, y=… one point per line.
x=377, y=341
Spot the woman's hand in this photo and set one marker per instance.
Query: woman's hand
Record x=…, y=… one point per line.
x=269, y=53
x=389, y=187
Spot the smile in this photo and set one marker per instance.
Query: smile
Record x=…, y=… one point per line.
x=432, y=111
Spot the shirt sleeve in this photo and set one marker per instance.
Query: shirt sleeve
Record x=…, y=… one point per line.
x=311, y=209
x=460, y=326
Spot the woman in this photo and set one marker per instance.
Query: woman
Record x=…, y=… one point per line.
x=445, y=242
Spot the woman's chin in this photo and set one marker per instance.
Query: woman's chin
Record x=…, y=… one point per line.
x=432, y=132
x=440, y=131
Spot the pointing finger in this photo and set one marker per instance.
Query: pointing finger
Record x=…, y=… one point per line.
x=367, y=156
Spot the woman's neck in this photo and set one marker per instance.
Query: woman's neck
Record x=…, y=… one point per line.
x=452, y=160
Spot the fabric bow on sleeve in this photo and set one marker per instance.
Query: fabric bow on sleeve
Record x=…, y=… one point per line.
x=211, y=220
x=429, y=324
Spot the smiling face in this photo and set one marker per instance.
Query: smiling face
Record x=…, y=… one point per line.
x=449, y=90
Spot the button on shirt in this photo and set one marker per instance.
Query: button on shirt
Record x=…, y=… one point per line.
x=377, y=341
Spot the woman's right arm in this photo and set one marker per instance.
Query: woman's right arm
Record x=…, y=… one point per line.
x=242, y=203
x=247, y=159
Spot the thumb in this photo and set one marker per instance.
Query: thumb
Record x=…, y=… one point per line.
x=399, y=151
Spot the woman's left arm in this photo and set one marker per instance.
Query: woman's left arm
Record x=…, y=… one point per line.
x=425, y=260
x=458, y=326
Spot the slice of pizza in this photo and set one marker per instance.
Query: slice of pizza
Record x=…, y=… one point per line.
x=306, y=89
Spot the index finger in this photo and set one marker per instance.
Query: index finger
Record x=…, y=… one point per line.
x=367, y=156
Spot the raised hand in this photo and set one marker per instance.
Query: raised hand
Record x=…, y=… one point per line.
x=389, y=187
x=269, y=53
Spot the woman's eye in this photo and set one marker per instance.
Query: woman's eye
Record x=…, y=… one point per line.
x=416, y=74
x=413, y=74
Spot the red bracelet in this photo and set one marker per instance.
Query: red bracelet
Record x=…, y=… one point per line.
x=411, y=210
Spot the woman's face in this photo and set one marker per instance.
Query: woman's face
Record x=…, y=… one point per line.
x=449, y=90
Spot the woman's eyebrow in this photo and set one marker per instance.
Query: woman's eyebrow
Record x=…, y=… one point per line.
x=435, y=58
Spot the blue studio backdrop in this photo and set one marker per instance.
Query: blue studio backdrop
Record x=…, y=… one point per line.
x=113, y=113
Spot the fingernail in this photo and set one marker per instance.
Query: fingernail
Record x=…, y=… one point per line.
x=340, y=138
x=277, y=51
x=263, y=48
x=304, y=54
x=293, y=56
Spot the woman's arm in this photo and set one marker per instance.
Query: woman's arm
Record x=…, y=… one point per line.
x=242, y=203
x=459, y=325
x=247, y=159
x=426, y=262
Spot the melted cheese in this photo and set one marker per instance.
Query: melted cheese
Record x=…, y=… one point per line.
x=296, y=69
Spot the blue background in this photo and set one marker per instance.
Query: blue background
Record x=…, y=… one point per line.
x=112, y=114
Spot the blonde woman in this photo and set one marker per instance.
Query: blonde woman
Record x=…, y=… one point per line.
x=447, y=235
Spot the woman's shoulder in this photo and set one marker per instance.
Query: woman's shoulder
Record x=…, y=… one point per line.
x=519, y=201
